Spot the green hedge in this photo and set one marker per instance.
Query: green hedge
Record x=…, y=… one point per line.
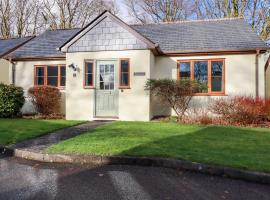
x=11, y=100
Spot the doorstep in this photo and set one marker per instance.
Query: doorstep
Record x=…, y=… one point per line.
x=106, y=119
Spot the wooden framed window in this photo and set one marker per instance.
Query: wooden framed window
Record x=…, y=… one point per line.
x=39, y=75
x=62, y=76
x=210, y=72
x=124, y=73
x=89, y=74
x=52, y=75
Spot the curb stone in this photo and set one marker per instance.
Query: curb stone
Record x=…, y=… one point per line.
x=259, y=177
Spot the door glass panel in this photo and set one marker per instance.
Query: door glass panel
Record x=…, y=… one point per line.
x=112, y=68
x=106, y=77
x=107, y=69
x=101, y=68
x=107, y=86
x=101, y=85
x=112, y=86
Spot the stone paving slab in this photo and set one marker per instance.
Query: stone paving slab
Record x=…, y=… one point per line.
x=40, y=144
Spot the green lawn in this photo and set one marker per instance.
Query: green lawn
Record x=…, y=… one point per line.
x=246, y=148
x=16, y=130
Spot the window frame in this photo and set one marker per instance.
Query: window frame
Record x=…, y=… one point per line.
x=120, y=74
x=209, y=71
x=84, y=75
x=46, y=74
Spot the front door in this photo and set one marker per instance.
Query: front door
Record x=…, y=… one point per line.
x=106, y=103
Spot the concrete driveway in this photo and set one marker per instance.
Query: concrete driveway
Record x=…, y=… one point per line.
x=20, y=179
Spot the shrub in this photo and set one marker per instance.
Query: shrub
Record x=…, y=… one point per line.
x=242, y=110
x=174, y=93
x=46, y=99
x=11, y=100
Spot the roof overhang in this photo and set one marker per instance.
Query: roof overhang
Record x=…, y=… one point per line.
x=151, y=45
x=214, y=52
x=37, y=58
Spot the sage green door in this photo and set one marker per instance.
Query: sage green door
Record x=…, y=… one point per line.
x=106, y=103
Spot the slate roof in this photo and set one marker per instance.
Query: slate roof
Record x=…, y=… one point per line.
x=7, y=45
x=45, y=45
x=208, y=35
x=189, y=36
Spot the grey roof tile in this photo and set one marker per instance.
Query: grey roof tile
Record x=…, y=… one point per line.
x=212, y=35
x=45, y=45
x=202, y=35
x=7, y=45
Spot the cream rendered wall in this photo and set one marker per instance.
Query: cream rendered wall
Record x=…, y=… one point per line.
x=134, y=103
x=239, y=77
x=24, y=77
x=5, y=71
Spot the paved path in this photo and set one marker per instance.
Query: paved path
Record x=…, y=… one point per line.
x=41, y=143
x=21, y=179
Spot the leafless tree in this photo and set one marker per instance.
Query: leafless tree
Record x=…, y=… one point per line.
x=72, y=13
x=5, y=18
x=30, y=17
x=158, y=10
x=256, y=12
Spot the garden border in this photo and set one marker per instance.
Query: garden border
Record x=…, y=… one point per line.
x=253, y=176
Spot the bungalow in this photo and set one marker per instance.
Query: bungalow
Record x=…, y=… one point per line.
x=6, y=47
x=102, y=69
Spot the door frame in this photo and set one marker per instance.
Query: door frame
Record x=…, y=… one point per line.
x=116, y=61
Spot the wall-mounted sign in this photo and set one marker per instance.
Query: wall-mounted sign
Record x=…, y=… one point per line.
x=139, y=73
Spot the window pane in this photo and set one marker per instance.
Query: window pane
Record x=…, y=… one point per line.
x=89, y=73
x=40, y=81
x=101, y=77
x=89, y=67
x=184, y=70
x=63, y=71
x=124, y=65
x=63, y=81
x=101, y=68
x=216, y=80
x=112, y=68
x=40, y=71
x=63, y=76
x=89, y=79
x=107, y=85
x=52, y=81
x=201, y=71
x=52, y=71
x=124, y=79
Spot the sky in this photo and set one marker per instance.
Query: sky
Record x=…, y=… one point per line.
x=123, y=11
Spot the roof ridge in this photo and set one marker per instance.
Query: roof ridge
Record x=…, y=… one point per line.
x=12, y=38
x=191, y=21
